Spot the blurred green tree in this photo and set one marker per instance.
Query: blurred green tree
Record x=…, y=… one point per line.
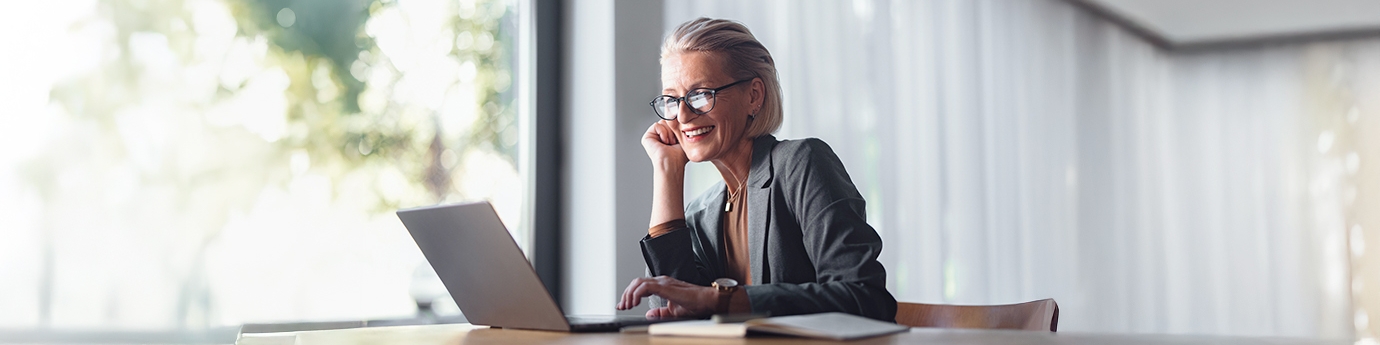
x=196, y=106
x=327, y=35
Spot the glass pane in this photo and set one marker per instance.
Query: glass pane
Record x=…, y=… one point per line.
x=202, y=163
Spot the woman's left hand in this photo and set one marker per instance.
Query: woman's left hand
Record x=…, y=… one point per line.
x=684, y=300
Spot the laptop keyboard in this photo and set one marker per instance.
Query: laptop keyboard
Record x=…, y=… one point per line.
x=606, y=323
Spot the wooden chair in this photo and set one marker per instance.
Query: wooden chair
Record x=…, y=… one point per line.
x=1035, y=315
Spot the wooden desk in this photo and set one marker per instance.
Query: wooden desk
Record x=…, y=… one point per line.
x=468, y=334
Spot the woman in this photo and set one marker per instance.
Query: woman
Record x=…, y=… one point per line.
x=785, y=233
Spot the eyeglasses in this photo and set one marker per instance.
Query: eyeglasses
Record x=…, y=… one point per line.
x=701, y=101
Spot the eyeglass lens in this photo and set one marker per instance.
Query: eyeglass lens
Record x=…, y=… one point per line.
x=669, y=107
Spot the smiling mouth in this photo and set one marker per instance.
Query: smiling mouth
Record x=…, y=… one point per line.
x=699, y=131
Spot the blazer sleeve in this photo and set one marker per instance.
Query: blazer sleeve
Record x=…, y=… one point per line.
x=840, y=244
x=678, y=254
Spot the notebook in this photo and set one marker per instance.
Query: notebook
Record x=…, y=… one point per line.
x=833, y=326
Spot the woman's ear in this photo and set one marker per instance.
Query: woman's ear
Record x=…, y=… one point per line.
x=758, y=95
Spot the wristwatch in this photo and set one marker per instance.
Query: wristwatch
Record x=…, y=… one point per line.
x=726, y=288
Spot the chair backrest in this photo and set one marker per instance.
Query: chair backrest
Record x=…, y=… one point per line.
x=1035, y=315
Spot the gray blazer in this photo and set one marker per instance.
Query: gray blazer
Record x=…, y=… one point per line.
x=810, y=245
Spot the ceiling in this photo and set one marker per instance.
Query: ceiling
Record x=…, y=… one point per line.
x=1183, y=24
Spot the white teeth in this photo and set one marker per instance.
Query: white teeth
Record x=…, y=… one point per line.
x=699, y=131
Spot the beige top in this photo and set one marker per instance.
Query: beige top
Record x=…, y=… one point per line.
x=735, y=239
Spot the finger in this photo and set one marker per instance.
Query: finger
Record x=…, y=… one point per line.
x=653, y=133
x=668, y=136
x=627, y=292
x=665, y=134
x=657, y=313
x=644, y=290
x=672, y=125
x=675, y=131
x=678, y=311
x=665, y=311
x=623, y=298
x=629, y=298
x=634, y=297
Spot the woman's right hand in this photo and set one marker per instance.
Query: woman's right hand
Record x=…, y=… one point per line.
x=662, y=142
x=683, y=300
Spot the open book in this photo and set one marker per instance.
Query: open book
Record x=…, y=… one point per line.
x=836, y=326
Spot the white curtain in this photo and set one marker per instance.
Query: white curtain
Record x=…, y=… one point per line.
x=1013, y=150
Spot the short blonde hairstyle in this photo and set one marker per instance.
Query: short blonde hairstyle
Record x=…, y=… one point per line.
x=745, y=57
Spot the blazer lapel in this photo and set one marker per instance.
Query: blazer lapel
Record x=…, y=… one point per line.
x=714, y=230
x=759, y=205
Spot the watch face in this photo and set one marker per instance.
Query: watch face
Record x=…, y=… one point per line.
x=725, y=282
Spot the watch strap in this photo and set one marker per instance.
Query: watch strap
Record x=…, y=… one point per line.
x=725, y=298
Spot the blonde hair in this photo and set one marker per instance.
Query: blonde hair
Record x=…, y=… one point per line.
x=745, y=58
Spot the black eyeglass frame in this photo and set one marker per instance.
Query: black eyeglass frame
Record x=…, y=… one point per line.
x=713, y=99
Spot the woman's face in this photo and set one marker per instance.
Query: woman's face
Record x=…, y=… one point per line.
x=707, y=137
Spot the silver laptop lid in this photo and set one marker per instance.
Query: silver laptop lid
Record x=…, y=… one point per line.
x=482, y=267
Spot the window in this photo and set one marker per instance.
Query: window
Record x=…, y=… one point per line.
x=183, y=165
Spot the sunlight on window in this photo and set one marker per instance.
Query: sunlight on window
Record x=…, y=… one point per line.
x=201, y=163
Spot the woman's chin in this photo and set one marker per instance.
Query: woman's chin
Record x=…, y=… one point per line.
x=695, y=158
x=698, y=149
x=696, y=155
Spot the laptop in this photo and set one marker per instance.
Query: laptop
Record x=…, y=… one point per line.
x=487, y=275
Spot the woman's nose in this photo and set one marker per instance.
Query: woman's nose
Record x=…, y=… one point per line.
x=683, y=108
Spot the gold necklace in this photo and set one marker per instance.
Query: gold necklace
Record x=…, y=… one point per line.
x=728, y=206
